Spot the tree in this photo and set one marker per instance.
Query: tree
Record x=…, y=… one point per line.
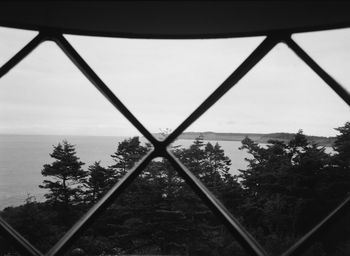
x=287, y=189
x=341, y=164
x=97, y=182
x=67, y=176
x=342, y=146
x=36, y=222
x=159, y=213
x=128, y=153
x=208, y=163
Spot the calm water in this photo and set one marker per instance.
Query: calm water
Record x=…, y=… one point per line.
x=23, y=156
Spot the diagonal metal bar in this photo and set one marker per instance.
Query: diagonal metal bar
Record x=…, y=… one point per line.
x=22, y=245
x=233, y=225
x=28, y=48
x=304, y=243
x=67, y=240
x=74, y=56
x=319, y=71
x=233, y=79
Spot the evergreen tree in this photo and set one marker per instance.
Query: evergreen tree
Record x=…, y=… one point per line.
x=67, y=176
x=342, y=146
x=159, y=213
x=285, y=187
x=215, y=167
x=97, y=182
x=209, y=163
x=128, y=153
x=35, y=221
x=341, y=164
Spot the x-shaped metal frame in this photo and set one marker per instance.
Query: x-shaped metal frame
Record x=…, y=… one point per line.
x=160, y=149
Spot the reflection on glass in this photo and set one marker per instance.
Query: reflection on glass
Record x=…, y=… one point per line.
x=61, y=143
x=163, y=81
x=331, y=50
x=274, y=150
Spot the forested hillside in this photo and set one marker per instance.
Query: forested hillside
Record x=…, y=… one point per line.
x=287, y=188
x=256, y=137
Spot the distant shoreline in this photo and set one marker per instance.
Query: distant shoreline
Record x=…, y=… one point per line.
x=216, y=136
x=257, y=137
x=67, y=135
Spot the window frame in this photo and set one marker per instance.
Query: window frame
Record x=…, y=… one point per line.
x=160, y=148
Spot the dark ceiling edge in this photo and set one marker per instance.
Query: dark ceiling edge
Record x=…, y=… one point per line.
x=177, y=36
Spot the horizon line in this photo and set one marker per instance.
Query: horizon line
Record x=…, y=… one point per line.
x=155, y=133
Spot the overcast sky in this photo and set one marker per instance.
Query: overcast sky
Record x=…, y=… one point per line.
x=163, y=81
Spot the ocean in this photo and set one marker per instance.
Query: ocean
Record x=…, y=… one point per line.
x=22, y=158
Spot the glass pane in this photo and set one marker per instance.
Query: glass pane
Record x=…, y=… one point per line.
x=331, y=50
x=13, y=40
x=59, y=139
x=163, y=81
x=269, y=151
x=157, y=215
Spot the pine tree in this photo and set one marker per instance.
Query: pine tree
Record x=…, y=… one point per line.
x=128, y=153
x=66, y=176
x=284, y=184
x=341, y=163
x=98, y=181
x=342, y=146
x=215, y=167
x=208, y=163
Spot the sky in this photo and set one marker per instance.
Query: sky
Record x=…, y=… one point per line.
x=163, y=81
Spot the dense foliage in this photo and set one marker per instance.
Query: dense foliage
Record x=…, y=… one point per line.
x=287, y=188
